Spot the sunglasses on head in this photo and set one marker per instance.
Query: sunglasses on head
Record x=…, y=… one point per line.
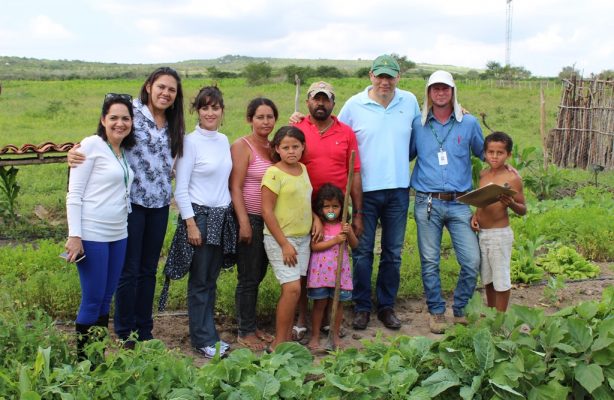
x=117, y=96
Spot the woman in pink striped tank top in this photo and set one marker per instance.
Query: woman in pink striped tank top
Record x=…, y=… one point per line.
x=251, y=156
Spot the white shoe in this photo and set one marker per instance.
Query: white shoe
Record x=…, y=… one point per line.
x=210, y=351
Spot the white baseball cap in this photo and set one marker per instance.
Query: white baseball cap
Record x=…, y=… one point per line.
x=446, y=78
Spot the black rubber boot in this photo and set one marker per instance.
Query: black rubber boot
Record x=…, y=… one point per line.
x=103, y=321
x=83, y=337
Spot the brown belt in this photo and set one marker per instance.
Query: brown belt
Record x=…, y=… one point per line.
x=445, y=196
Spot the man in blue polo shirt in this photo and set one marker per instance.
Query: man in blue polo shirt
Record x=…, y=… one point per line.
x=381, y=117
x=442, y=142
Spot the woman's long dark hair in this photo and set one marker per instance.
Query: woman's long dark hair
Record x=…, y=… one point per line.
x=174, y=114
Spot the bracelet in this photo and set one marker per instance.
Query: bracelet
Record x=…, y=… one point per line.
x=356, y=211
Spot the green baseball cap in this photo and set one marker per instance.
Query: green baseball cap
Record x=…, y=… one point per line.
x=385, y=64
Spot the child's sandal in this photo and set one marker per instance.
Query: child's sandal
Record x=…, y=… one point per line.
x=298, y=333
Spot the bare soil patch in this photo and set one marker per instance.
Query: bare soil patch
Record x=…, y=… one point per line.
x=172, y=328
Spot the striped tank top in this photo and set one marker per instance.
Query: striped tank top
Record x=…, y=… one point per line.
x=253, y=178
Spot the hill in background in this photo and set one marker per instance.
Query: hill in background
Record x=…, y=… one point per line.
x=18, y=68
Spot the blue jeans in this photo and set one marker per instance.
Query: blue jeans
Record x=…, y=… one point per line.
x=202, y=284
x=456, y=217
x=252, y=263
x=137, y=284
x=389, y=207
x=98, y=273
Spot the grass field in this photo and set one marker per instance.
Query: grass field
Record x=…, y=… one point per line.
x=67, y=111
x=38, y=111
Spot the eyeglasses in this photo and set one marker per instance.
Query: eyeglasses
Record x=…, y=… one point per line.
x=117, y=96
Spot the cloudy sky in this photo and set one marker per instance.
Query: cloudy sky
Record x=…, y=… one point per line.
x=546, y=34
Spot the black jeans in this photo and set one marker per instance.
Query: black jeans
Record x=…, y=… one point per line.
x=137, y=283
x=202, y=285
x=252, y=265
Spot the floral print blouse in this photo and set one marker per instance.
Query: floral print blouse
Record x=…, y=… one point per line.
x=151, y=160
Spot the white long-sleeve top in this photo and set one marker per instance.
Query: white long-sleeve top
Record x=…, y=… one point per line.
x=202, y=173
x=97, y=202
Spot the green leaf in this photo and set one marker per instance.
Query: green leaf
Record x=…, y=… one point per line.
x=440, y=381
x=587, y=309
x=377, y=378
x=606, y=326
x=29, y=395
x=602, y=393
x=566, y=348
x=300, y=354
x=506, y=373
x=507, y=388
x=484, y=348
x=420, y=393
x=402, y=381
x=467, y=392
x=589, y=376
x=290, y=390
x=340, y=383
x=602, y=342
x=551, y=391
x=534, y=317
x=24, y=380
x=579, y=333
x=552, y=334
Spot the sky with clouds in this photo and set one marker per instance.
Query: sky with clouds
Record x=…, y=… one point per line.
x=546, y=34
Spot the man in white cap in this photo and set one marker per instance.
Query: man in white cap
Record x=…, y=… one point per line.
x=381, y=116
x=443, y=141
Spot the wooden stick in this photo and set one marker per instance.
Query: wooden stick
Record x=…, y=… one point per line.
x=542, y=125
x=297, y=82
x=344, y=214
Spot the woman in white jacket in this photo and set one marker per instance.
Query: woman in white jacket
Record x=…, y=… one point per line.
x=97, y=207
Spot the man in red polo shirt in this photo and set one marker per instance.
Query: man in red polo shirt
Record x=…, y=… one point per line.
x=329, y=144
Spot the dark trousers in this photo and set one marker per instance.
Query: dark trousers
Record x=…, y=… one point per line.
x=252, y=265
x=389, y=207
x=137, y=284
x=202, y=284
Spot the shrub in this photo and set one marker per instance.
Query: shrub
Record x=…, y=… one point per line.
x=257, y=73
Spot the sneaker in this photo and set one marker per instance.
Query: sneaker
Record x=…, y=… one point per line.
x=437, y=323
x=210, y=351
x=462, y=320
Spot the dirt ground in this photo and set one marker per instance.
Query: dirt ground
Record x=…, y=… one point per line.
x=172, y=328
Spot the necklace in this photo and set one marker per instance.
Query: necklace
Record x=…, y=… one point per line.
x=327, y=127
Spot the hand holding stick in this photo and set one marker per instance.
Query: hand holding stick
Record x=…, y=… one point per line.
x=344, y=214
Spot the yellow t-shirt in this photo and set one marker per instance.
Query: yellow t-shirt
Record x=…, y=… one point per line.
x=293, y=206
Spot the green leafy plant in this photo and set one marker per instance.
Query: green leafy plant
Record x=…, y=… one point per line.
x=544, y=181
x=522, y=353
x=10, y=189
x=476, y=167
x=523, y=266
x=566, y=262
x=552, y=289
x=522, y=159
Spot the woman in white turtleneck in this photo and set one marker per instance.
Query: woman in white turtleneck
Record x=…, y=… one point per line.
x=203, y=198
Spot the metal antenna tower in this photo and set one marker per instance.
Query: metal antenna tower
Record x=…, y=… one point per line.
x=508, y=32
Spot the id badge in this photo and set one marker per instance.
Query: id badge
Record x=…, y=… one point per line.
x=443, y=157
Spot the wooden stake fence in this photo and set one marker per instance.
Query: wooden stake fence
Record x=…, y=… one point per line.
x=584, y=133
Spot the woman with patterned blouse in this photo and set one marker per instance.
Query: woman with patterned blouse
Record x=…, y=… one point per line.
x=159, y=130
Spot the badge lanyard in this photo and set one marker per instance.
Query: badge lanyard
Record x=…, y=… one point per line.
x=442, y=155
x=126, y=171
